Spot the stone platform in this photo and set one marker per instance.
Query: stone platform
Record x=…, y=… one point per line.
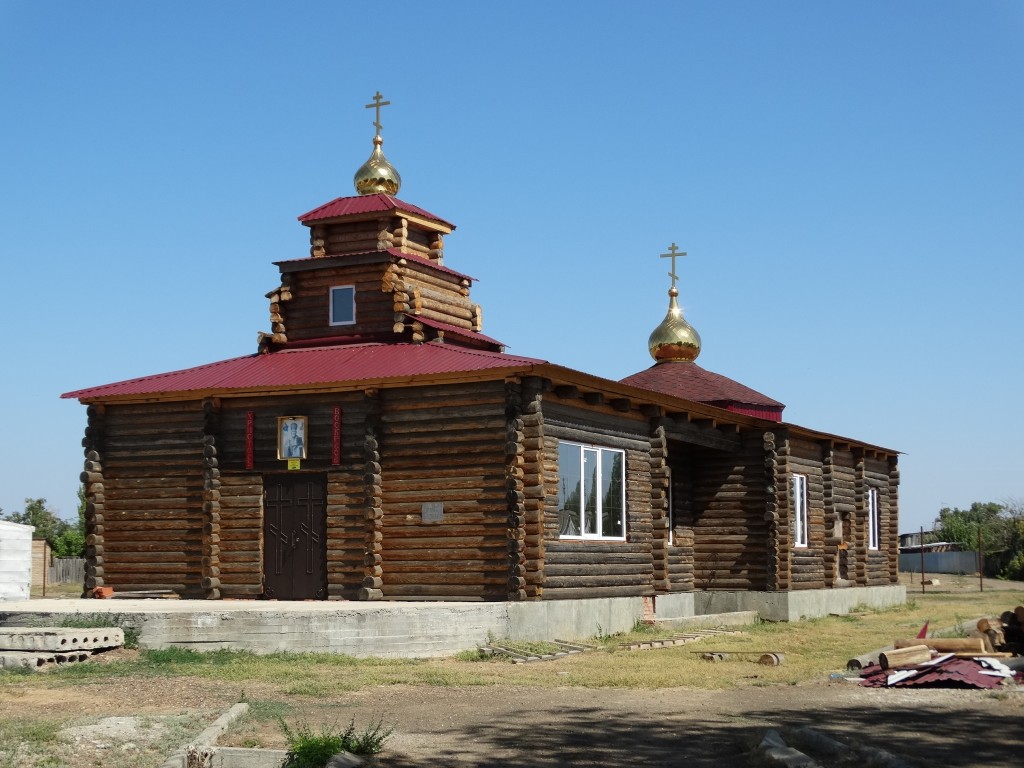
x=417, y=629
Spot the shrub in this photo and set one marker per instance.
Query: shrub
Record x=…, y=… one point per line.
x=307, y=749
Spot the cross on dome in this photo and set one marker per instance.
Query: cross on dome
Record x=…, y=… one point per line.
x=377, y=175
x=378, y=102
x=673, y=252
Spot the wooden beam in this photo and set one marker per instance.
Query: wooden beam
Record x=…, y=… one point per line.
x=703, y=435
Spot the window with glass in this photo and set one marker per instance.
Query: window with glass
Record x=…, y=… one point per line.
x=874, y=521
x=591, y=491
x=343, y=305
x=798, y=486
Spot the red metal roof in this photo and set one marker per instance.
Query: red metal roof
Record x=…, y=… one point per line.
x=378, y=203
x=397, y=253
x=339, y=364
x=691, y=382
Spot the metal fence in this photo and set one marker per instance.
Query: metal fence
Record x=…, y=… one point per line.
x=940, y=562
x=66, y=570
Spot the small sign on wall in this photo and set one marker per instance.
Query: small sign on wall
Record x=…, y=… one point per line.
x=294, y=463
x=432, y=511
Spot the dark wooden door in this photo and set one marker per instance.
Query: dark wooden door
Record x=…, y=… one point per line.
x=295, y=537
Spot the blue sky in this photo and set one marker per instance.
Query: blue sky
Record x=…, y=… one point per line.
x=848, y=179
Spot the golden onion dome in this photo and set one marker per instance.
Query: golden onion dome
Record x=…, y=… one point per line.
x=377, y=174
x=674, y=340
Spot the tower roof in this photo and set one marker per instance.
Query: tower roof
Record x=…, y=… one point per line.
x=691, y=382
x=368, y=204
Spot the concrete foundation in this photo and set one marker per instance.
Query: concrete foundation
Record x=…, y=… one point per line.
x=407, y=629
x=802, y=604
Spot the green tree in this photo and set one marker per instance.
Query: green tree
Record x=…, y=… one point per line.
x=963, y=525
x=1001, y=528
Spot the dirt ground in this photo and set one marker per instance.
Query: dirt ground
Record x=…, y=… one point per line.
x=505, y=725
x=563, y=726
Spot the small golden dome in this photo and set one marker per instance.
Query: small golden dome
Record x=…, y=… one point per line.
x=377, y=174
x=675, y=340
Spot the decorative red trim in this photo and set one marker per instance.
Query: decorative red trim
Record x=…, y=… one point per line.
x=336, y=441
x=250, y=439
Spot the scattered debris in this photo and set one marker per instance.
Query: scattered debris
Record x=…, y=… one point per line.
x=768, y=658
x=108, y=593
x=521, y=653
x=679, y=639
x=989, y=658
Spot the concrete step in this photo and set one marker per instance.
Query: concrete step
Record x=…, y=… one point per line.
x=59, y=639
x=731, y=619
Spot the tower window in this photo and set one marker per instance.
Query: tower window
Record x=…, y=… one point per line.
x=343, y=305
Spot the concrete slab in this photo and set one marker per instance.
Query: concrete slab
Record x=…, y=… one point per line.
x=38, y=659
x=59, y=638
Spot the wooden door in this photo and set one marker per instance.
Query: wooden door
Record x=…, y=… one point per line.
x=295, y=537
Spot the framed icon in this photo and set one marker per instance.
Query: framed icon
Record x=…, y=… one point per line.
x=291, y=437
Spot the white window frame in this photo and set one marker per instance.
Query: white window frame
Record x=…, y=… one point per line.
x=874, y=519
x=671, y=509
x=798, y=497
x=331, y=294
x=583, y=492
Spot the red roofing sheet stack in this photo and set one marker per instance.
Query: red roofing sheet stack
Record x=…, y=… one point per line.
x=944, y=672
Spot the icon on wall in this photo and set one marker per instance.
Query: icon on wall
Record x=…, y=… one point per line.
x=291, y=437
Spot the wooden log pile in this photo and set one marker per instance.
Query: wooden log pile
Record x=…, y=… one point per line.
x=1004, y=633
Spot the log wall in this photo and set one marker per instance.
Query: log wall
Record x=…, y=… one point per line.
x=153, y=488
x=444, y=447
x=878, y=570
x=536, y=480
x=595, y=568
x=438, y=296
x=241, y=534
x=838, y=480
x=807, y=564
x=306, y=314
x=722, y=505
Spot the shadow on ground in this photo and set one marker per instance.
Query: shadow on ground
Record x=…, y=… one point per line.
x=959, y=737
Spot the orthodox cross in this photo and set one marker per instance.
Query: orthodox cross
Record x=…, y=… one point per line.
x=378, y=102
x=673, y=252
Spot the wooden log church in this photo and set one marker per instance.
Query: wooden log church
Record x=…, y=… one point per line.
x=379, y=446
